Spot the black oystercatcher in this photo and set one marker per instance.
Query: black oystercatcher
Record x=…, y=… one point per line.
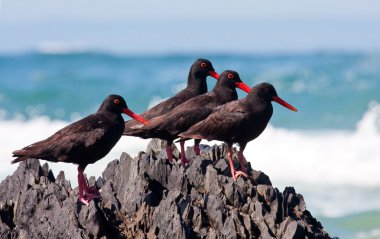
x=196, y=85
x=167, y=127
x=83, y=142
x=239, y=122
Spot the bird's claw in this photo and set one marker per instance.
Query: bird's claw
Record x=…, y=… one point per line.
x=92, y=190
x=89, y=194
x=239, y=173
x=84, y=201
x=184, y=161
x=88, y=197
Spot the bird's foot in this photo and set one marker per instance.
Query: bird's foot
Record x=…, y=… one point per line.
x=89, y=194
x=239, y=173
x=92, y=191
x=243, y=168
x=88, y=197
x=170, y=160
x=84, y=201
x=184, y=161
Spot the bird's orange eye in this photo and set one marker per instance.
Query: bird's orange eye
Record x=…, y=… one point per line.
x=230, y=76
x=203, y=65
x=116, y=101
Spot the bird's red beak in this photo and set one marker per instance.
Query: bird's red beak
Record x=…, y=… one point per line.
x=135, y=116
x=243, y=86
x=214, y=74
x=284, y=103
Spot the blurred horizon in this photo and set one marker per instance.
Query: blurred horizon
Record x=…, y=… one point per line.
x=168, y=27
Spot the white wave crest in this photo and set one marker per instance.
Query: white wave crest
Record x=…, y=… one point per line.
x=324, y=165
x=16, y=134
x=328, y=157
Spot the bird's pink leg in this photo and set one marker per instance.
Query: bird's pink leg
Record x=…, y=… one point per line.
x=86, y=193
x=169, y=152
x=243, y=171
x=81, y=186
x=234, y=173
x=184, y=161
x=197, y=150
x=229, y=156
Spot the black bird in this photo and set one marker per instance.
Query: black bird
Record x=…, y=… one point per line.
x=239, y=122
x=83, y=142
x=196, y=85
x=167, y=127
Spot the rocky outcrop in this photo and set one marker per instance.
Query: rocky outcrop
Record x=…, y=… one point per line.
x=146, y=197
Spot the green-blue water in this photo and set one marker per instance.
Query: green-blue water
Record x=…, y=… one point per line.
x=331, y=90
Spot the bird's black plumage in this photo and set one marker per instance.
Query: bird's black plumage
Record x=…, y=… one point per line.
x=196, y=85
x=85, y=141
x=190, y=112
x=238, y=121
x=167, y=127
x=82, y=142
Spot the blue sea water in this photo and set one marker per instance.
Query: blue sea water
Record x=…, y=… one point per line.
x=331, y=90
x=329, y=150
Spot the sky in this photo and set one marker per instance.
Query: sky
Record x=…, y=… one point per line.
x=170, y=26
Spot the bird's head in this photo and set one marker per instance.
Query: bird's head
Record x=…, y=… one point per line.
x=267, y=92
x=117, y=104
x=202, y=68
x=232, y=79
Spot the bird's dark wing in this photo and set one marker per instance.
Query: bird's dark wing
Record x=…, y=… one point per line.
x=185, y=115
x=162, y=108
x=169, y=104
x=177, y=120
x=80, y=134
x=145, y=131
x=223, y=124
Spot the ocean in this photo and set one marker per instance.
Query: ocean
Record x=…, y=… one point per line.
x=329, y=150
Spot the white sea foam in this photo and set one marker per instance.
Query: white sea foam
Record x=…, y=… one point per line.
x=375, y=233
x=336, y=171
x=16, y=134
x=330, y=162
x=324, y=157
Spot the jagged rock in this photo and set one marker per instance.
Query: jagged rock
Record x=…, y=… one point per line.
x=146, y=197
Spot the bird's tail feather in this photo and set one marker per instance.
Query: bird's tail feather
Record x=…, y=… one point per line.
x=19, y=159
x=185, y=137
x=181, y=140
x=25, y=153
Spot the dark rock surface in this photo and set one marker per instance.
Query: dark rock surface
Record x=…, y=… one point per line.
x=145, y=197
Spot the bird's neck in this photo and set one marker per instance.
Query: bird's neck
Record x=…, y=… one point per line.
x=197, y=84
x=225, y=94
x=112, y=115
x=258, y=103
x=252, y=98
